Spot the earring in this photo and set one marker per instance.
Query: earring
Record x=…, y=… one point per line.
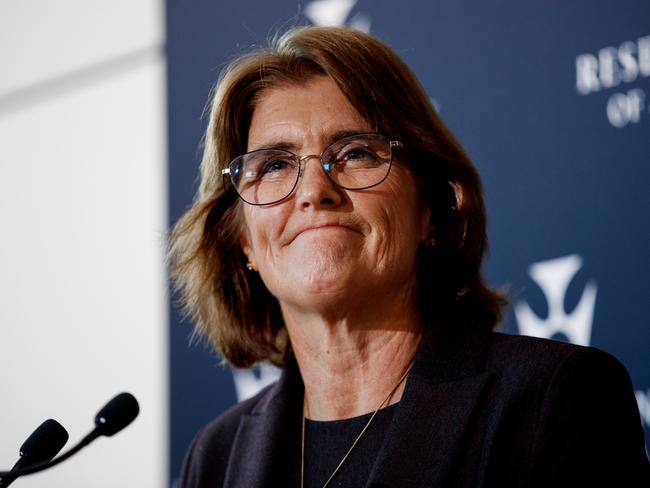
x=250, y=266
x=430, y=242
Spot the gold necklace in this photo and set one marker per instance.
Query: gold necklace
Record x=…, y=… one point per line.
x=302, y=439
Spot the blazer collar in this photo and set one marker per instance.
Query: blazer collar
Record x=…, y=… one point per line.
x=263, y=434
x=452, y=350
x=443, y=389
x=441, y=395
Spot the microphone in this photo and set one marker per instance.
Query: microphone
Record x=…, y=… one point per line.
x=119, y=412
x=41, y=446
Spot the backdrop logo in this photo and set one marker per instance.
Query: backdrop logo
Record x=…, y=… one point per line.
x=336, y=13
x=553, y=277
x=613, y=66
x=249, y=381
x=643, y=401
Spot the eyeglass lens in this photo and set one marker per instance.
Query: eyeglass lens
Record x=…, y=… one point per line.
x=268, y=176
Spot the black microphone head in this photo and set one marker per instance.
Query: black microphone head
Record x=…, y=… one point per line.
x=116, y=414
x=45, y=442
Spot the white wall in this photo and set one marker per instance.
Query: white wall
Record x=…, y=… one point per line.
x=83, y=310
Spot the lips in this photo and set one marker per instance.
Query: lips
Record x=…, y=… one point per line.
x=324, y=226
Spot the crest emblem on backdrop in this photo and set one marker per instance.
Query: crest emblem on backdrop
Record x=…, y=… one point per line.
x=249, y=381
x=336, y=13
x=554, y=277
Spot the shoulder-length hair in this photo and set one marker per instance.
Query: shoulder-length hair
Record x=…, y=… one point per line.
x=230, y=306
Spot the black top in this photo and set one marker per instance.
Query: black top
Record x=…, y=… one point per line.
x=326, y=442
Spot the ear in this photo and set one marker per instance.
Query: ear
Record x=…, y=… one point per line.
x=458, y=194
x=244, y=243
x=426, y=227
x=458, y=207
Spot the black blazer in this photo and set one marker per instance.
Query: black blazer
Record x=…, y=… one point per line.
x=480, y=409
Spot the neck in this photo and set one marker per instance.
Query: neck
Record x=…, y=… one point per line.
x=349, y=365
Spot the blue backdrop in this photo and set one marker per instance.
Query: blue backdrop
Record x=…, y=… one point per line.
x=551, y=101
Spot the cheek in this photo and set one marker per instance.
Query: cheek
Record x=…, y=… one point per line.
x=387, y=245
x=261, y=229
x=399, y=229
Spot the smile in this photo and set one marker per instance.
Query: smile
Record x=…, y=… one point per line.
x=326, y=227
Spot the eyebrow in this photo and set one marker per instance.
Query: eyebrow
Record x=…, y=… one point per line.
x=291, y=147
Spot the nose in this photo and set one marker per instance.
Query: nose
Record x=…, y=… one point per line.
x=315, y=189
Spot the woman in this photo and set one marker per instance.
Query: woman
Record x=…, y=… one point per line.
x=339, y=232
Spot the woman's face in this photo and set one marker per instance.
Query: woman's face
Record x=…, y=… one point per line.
x=325, y=246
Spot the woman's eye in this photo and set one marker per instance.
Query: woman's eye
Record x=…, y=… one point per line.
x=274, y=165
x=356, y=153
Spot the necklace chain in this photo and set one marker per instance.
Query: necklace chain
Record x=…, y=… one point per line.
x=302, y=439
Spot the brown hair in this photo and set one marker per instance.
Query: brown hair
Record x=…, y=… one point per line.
x=231, y=306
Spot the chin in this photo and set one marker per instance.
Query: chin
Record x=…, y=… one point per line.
x=325, y=279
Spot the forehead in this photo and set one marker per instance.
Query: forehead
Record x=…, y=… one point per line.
x=298, y=115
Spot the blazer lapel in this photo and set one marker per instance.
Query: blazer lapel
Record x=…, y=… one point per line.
x=252, y=456
x=442, y=393
x=257, y=451
x=429, y=425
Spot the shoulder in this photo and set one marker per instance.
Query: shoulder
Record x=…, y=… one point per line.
x=579, y=407
x=553, y=371
x=523, y=356
x=208, y=455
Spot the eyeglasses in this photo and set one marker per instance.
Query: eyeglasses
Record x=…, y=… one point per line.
x=268, y=176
